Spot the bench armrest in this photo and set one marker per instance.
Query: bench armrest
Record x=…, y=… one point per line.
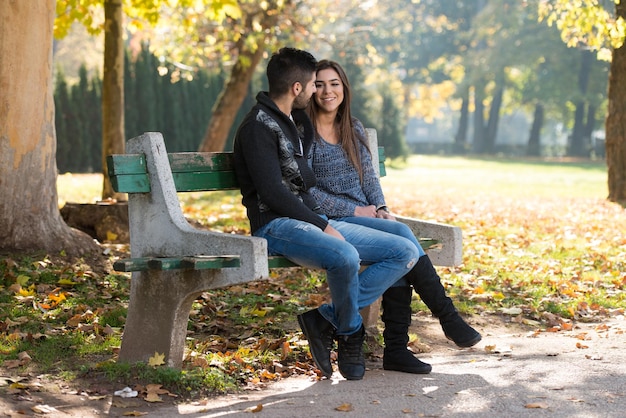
x=449, y=251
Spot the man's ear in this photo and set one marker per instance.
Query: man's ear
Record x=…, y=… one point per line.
x=297, y=88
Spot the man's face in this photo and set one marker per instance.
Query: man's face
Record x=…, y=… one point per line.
x=308, y=90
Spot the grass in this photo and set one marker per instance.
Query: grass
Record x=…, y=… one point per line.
x=539, y=241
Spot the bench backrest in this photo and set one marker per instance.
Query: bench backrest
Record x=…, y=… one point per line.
x=192, y=171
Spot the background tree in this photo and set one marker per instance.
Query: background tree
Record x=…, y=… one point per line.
x=29, y=213
x=600, y=25
x=88, y=12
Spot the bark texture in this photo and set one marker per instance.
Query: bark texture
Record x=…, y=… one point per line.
x=616, y=122
x=29, y=212
x=112, y=91
x=229, y=101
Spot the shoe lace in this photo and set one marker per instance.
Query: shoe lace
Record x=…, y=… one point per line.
x=350, y=346
x=328, y=338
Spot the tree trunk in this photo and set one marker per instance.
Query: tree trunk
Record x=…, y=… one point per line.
x=494, y=119
x=534, y=142
x=479, y=120
x=460, y=139
x=112, y=91
x=230, y=99
x=616, y=121
x=579, y=146
x=29, y=213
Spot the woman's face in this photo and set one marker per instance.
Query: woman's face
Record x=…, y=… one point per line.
x=329, y=90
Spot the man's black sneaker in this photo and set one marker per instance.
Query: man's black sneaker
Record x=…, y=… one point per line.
x=320, y=334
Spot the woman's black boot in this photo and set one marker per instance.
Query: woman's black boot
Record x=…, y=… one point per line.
x=426, y=282
x=397, y=318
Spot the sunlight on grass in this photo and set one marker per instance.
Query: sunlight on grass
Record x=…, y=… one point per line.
x=461, y=176
x=79, y=188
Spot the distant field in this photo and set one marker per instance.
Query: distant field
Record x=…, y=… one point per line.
x=502, y=177
x=440, y=177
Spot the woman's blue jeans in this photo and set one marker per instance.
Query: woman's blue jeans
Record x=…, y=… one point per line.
x=390, y=226
x=389, y=257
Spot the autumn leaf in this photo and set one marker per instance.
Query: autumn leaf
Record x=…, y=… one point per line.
x=153, y=397
x=536, y=405
x=134, y=414
x=256, y=408
x=22, y=279
x=156, y=360
x=285, y=350
x=345, y=407
x=44, y=409
x=66, y=282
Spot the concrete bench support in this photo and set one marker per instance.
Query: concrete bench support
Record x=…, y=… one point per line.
x=161, y=300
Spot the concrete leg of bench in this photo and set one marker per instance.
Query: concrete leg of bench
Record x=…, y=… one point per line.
x=158, y=313
x=160, y=301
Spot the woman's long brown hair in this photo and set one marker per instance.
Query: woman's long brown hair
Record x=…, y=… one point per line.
x=348, y=138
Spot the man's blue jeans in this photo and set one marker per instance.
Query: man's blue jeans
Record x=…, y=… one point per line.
x=389, y=257
x=390, y=226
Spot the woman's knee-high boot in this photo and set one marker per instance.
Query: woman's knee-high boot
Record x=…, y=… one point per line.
x=397, y=318
x=426, y=282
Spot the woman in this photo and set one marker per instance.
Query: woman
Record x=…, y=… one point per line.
x=348, y=189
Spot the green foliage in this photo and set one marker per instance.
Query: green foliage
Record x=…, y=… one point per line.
x=90, y=12
x=392, y=130
x=183, y=382
x=180, y=110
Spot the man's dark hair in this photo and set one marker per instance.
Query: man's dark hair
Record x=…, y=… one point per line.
x=288, y=66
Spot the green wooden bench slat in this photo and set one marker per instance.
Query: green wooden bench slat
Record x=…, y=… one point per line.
x=210, y=262
x=174, y=263
x=131, y=183
x=131, y=264
x=276, y=261
x=427, y=243
x=381, y=162
x=182, y=162
x=120, y=164
x=205, y=181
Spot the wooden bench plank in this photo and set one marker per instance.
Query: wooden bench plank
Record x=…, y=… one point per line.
x=176, y=263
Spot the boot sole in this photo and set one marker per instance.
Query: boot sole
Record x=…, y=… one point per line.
x=306, y=331
x=425, y=370
x=467, y=344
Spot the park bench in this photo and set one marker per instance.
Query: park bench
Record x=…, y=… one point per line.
x=172, y=263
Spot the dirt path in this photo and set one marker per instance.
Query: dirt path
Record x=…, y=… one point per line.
x=513, y=372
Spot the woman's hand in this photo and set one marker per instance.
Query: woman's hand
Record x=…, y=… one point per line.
x=383, y=214
x=365, y=211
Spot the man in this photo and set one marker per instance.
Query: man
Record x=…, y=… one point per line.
x=270, y=154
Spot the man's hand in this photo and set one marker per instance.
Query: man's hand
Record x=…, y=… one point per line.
x=333, y=232
x=365, y=211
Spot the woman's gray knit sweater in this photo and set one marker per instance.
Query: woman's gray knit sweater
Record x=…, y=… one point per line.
x=339, y=190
